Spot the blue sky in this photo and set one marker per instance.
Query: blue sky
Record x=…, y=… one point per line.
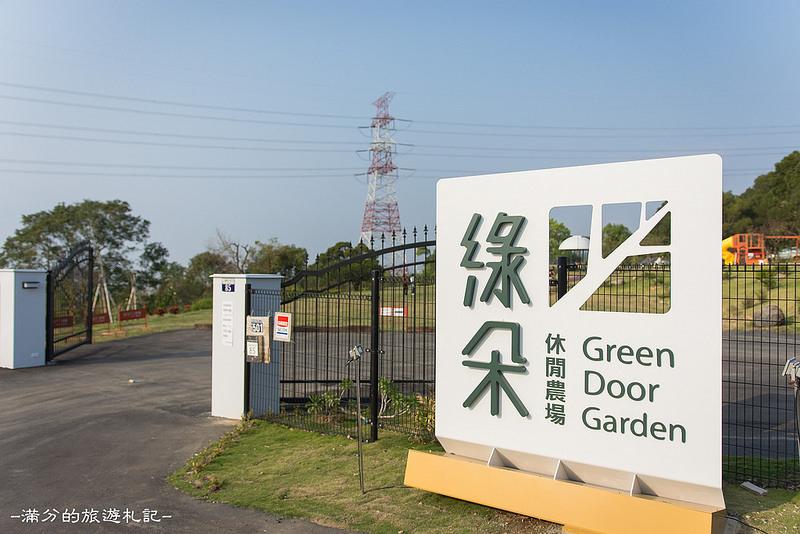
x=247, y=117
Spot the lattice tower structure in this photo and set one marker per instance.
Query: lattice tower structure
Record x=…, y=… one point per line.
x=381, y=212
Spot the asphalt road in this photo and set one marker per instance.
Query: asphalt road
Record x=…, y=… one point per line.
x=757, y=403
x=95, y=434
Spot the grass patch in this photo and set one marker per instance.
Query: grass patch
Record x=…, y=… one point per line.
x=777, y=512
x=760, y=471
x=185, y=320
x=295, y=473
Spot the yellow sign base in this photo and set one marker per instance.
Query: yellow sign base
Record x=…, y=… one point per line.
x=581, y=508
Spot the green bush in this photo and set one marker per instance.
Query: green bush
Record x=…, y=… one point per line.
x=205, y=303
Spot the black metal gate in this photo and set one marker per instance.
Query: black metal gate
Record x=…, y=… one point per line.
x=381, y=299
x=69, y=302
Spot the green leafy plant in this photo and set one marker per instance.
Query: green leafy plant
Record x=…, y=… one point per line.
x=417, y=410
x=315, y=404
x=392, y=401
x=322, y=403
x=424, y=417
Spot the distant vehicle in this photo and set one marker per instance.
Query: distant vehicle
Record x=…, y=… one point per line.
x=657, y=262
x=788, y=254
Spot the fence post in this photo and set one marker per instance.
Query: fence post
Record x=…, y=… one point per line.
x=562, y=276
x=374, y=354
x=248, y=289
x=89, y=302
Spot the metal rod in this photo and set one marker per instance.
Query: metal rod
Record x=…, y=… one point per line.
x=374, y=354
x=358, y=414
x=89, y=293
x=562, y=276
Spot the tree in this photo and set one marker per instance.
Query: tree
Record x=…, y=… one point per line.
x=355, y=273
x=173, y=289
x=201, y=267
x=265, y=258
x=236, y=254
x=429, y=270
x=771, y=206
x=152, y=265
x=613, y=236
x=735, y=216
x=661, y=234
x=47, y=237
x=274, y=258
x=558, y=233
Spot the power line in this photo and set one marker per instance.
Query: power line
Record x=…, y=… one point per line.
x=179, y=136
x=634, y=131
x=174, y=103
x=471, y=151
x=168, y=114
x=536, y=152
x=172, y=145
x=174, y=176
x=603, y=128
x=585, y=150
x=171, y=167
x=633, y=134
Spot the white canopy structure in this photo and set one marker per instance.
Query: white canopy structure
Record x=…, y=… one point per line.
x=578, y=245
x=575, y=242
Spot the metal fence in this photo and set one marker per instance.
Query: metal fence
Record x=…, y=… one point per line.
x=336, y=312
x=382, y=299
x=759, y=334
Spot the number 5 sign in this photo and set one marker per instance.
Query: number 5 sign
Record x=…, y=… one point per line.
x=257, y=340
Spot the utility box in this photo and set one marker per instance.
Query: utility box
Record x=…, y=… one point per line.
x=23, y=307
x=230, y=391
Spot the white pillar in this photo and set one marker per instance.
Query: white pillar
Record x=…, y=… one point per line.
x=227, y=348
x=23, y=307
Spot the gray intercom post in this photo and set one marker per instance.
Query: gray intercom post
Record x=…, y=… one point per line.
x=228, y=347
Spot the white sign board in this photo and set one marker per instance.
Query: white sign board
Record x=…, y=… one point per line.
x=227, y=323
x=283, y=327
x=621, y=399
x=257, y=342
x=393, y=311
